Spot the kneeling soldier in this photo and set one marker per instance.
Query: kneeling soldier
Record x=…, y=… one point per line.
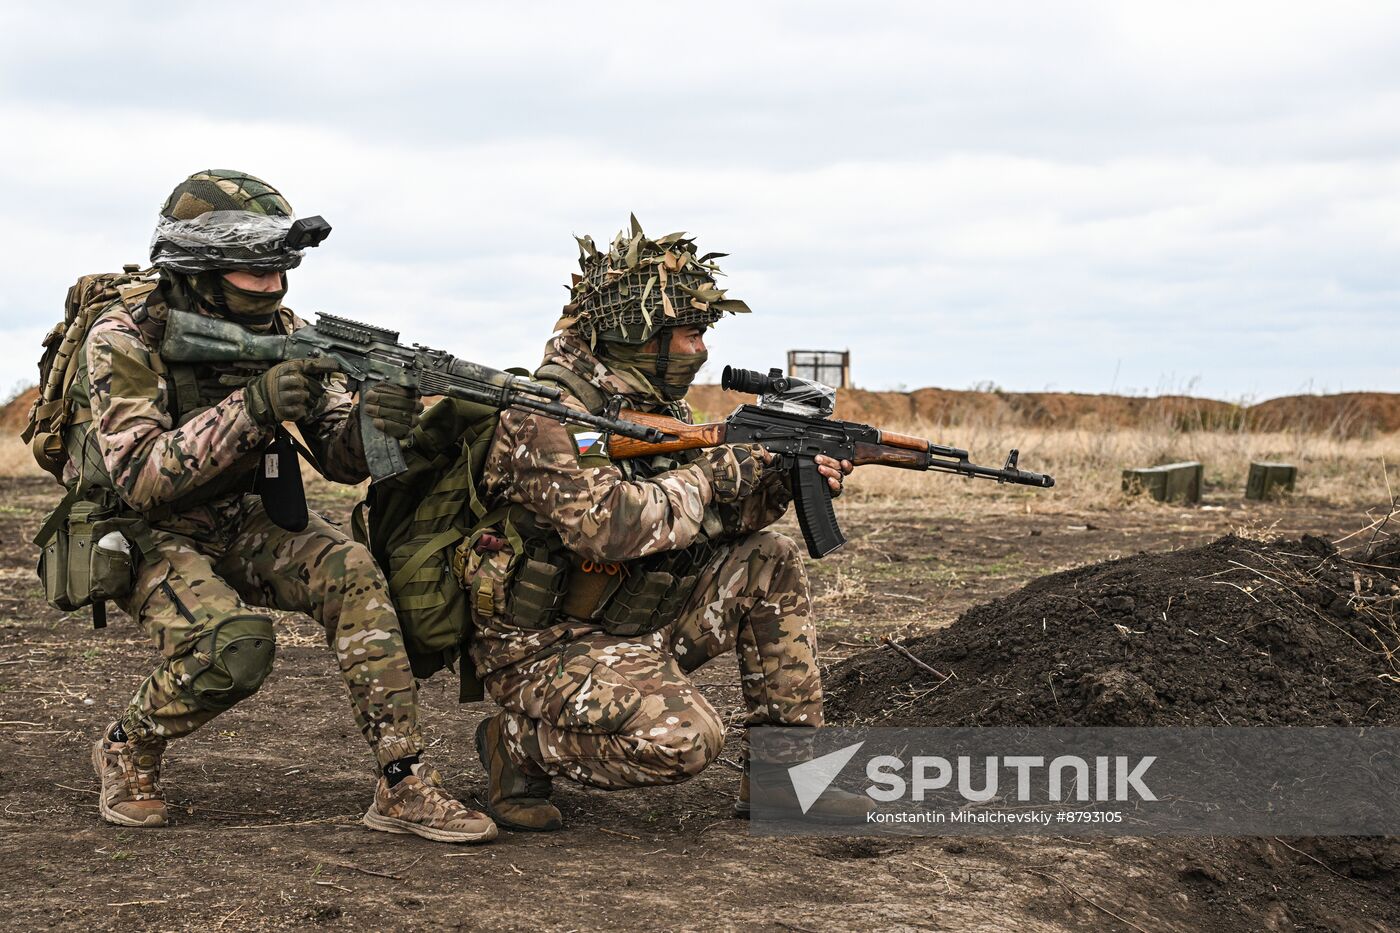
x=597, y=586
x=178, y=448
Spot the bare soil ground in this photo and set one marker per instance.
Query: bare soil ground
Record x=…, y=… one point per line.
x=267, y=798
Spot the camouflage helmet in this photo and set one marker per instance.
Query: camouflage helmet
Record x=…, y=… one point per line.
x=219, y=219
x=641, y=286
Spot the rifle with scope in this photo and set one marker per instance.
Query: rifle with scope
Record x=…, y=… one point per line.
x=793, y=421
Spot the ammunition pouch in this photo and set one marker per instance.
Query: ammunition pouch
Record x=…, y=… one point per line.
x=86, y=553
x=549, y=583
x=651, y=599
x=538, y=588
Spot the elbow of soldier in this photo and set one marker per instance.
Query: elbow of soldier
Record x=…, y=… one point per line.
x=140, y=496
x=594, y=541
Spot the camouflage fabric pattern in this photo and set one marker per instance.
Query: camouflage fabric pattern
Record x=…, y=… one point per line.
x=220, y=189
x=602, y=511
x=617, y=713
x=641, y=285
x=221, y=557
x=154, y=462
x=194, y=581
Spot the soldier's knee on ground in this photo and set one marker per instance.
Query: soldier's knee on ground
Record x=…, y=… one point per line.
x=230, y=660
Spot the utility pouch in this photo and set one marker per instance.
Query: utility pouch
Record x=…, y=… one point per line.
x=83, y=556
x=537, y=591
x=591, y=585
x=112, y=571
x=651, y=600
x=425, y=591
x=636, y=608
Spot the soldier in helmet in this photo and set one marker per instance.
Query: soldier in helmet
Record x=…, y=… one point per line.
x=179, y=447
x=598, y=586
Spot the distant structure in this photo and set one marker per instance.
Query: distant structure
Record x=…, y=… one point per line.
x=829, y=367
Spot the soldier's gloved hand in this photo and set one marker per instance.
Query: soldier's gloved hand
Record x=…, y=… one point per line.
x=393, y=409
x=734, y=469
x=287, y=391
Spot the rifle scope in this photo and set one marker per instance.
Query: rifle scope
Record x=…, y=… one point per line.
x=754, y=382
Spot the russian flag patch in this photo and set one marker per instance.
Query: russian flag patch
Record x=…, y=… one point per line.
x=587, y=440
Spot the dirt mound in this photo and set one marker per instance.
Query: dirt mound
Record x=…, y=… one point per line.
x=1237, y=632
x=15, y=413
x=1349, y=415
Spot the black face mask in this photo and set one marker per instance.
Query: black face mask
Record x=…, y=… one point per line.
x=240, y=305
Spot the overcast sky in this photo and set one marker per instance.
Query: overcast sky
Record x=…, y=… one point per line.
x=1094, y=197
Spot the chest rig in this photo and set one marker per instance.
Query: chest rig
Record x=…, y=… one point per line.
x=629, y=598
x=190, y=390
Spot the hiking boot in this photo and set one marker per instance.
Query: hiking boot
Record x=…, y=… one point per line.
x=129, y=773
x=418, y=804
x=780, y=798
x=516, y=797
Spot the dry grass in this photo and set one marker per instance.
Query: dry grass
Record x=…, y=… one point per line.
x=16, y=460
x=1088, y=464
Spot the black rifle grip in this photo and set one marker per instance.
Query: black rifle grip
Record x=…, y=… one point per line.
x=814, y=512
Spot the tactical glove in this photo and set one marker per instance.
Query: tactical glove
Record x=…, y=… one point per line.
x=734, y=470
x=392, y=409
x=287, y=391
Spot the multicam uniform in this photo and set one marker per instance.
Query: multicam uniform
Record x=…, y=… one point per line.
x=212, y=553
x=617, y=710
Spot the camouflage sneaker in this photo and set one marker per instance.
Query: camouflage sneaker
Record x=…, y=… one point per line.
x=418, y=804
x=516, y=798
x=833, y=806
x=129, y=774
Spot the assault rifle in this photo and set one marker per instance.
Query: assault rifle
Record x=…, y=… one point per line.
x=367, y=355
x=793, y=421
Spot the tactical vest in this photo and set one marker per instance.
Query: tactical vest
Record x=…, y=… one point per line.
x=627, y=599
x=190, y=391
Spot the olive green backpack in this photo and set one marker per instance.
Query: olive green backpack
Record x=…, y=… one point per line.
x=412, y=524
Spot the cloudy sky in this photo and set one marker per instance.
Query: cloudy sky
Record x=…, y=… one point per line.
x=1186, y=196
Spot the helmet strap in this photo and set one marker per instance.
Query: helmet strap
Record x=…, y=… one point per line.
x=663, y=354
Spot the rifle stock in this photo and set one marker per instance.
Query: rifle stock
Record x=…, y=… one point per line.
x=680, y=436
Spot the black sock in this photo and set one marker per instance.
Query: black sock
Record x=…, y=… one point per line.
x=399, y=769
x=118, y=734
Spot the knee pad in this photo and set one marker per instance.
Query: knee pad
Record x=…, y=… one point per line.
x=234, y=657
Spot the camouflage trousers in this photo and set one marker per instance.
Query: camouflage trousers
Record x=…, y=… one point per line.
x=194, y=598
x=615, y=712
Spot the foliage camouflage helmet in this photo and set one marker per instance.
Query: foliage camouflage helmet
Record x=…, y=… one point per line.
x=220, y=218
x=641, y=286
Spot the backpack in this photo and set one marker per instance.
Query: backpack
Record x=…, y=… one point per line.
x=413, y=522
x=54, y=411
x=85, y=544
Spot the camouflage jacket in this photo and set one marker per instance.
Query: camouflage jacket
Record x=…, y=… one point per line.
x=154, y=462
x=603, y=511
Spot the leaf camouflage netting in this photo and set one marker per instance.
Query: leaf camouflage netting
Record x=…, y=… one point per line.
x=641, y=285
